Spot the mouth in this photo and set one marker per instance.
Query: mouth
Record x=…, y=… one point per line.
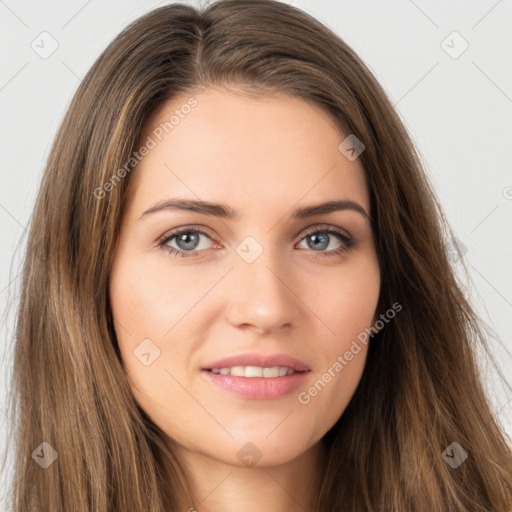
x=257, y=376
x=255, y=371
x=257, y=365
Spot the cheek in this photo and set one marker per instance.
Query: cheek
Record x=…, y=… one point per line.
x=145, y=307
x=146, y=299
x=348, y=310
x=135, y=300
x=156, y=303
x=347, y=304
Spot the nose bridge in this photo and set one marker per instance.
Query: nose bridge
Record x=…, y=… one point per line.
x=260, y=294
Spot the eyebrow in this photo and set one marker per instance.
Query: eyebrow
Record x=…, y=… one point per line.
x=226, y=212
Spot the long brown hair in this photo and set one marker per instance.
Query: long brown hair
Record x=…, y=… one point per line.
x=421, y=389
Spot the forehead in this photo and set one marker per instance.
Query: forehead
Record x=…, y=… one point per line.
x=243, y=150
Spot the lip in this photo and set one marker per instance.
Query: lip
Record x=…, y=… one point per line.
x=258, y=388
x=263, y=360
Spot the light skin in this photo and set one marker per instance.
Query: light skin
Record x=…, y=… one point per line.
x=263, y=157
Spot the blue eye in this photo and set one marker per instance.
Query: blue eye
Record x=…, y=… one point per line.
x=188, y=237
x=189, y=240
x=321, y=238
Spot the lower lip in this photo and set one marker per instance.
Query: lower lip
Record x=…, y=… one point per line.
x=258, y=388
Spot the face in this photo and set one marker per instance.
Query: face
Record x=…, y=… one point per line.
x=263, y=286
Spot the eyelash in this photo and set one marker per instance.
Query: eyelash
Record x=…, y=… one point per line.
x=348, y=243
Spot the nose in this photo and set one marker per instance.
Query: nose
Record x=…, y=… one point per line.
x=261, y=295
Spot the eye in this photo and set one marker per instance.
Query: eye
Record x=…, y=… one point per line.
x=318, y=238
x=188, y=240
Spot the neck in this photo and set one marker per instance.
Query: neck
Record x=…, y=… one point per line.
x=218, y=485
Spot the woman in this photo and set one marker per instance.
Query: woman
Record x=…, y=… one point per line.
x=236, y=293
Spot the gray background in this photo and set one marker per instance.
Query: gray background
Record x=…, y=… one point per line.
x=456, y=105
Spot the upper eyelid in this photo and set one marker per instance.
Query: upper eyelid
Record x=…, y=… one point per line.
x=324, y=227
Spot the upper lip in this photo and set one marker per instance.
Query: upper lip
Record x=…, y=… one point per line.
x=263, y=360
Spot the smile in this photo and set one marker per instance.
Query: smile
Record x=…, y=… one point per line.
x=255, y=371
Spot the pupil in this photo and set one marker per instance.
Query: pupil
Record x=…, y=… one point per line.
x=325, y=241
x=189, y=235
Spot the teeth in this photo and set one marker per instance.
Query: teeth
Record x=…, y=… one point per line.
x=255, y=371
